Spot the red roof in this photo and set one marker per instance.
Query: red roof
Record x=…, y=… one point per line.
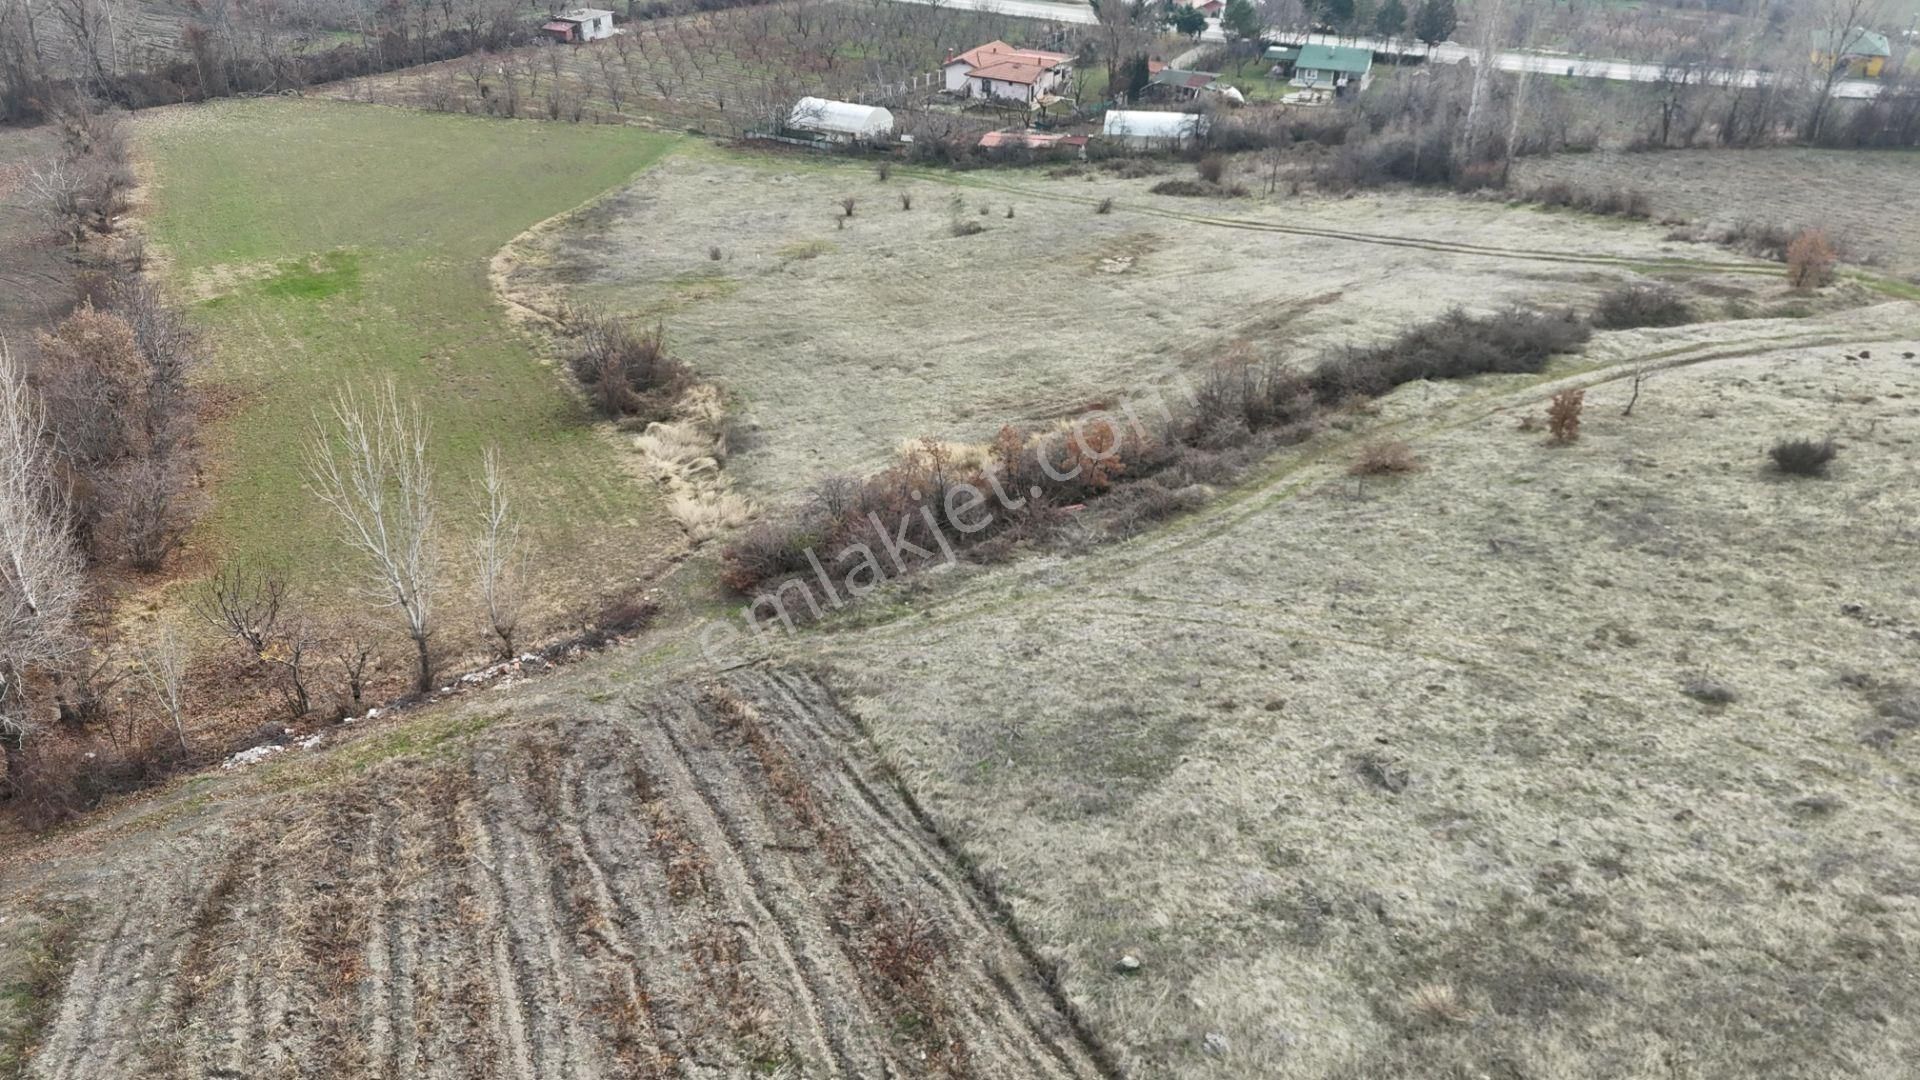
x=996, y=51
x=1035, y=140
x=1010, y=71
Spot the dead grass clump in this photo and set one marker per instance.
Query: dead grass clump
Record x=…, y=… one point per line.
x=1563, y=415
x=1803, y=457
x=1104, y=206
x=1810, y=260
x=1709, y=691
x=1635, y=306
x=1385, y=458
x=1757, y=238
x=1437, y=1003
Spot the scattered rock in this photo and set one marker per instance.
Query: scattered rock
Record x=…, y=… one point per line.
x=1215, y=1043
x=1709, y=691
x=1128, y=964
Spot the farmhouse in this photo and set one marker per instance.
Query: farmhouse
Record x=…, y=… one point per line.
x=1333, y=67
x=998, y=70
x=1863, y=52
x=1153, y=130
x=578, y=25
x=839, y=121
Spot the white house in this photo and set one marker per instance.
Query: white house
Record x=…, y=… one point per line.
x=580, y=24
x=840, y=121
x=1153, y=130
x=998, y=70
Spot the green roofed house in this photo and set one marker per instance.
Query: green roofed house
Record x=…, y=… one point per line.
x=1339, y=68
x=1281, y=59
x=1861, y=51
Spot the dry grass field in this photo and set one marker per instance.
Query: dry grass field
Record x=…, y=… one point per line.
x=1426, y=775
x=1534, y=761
x=837, y=338
x=1851, y=194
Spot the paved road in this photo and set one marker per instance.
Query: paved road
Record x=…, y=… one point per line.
x=1543, y=63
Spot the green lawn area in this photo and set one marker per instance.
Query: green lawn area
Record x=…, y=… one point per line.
x=330, y=242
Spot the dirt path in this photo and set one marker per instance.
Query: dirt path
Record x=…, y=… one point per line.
x=705, y=882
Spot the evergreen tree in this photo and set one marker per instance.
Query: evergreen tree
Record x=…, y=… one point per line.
x=1435, y=21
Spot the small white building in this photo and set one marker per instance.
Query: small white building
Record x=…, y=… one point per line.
x=580, y=24
x=840, y=121
x=1153, y=130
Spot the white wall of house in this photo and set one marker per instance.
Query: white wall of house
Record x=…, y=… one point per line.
x=598, y=26
x=957, y=77
x=1049, y=82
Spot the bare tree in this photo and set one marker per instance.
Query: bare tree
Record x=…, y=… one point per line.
x=499, y=561
x=162, y=671
x=1836, y=26
x=40, y=583
x=369, y=466
x=58, y=190
x=253, y=606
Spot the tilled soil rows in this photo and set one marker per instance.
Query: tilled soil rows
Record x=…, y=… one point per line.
x=707, y=882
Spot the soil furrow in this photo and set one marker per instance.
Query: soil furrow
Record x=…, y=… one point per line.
x=702, y=811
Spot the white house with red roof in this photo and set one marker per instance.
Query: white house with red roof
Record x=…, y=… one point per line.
x=998, y=70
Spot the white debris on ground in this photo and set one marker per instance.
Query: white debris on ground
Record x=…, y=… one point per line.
x=500, y=676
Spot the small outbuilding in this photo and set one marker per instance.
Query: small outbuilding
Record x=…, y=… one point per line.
x=1340, y=68
x=1153, y=130
x=1179, y=85
x=840, y=121
x=578, y=25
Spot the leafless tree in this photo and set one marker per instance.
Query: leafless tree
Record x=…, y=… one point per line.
x=369, y=466
x=40, y=570
x=253, y=606
x=162, y=671
x=58, y=189
x=1834, y=25
x=499, y=560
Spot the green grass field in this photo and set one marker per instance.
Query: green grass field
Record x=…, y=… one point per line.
x=330, y=243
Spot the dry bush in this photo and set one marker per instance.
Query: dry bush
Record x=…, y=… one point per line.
x=1563, y=415
x=906, y=200
x=1810, y=260
x=1454, y=346
x=1635, y=306
x=1198, y=189
x=1759, y=239
x=627, y=371
x=1385, y=458
x=1211, y=168
x=1608, y=201
x=847, y=204
x=1104, y=206
x=1803, y=457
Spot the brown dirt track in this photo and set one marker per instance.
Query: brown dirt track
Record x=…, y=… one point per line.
x=707, y=883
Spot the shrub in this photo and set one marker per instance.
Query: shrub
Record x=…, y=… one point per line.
x=1563, y=415
x=847, y=205
x=1810, y=260
x=628, y=372
x=906, y=200
x=1454, y=346
x=1803, y=457
x=1382, y=458
x=1641, y=305
x=1709, y=691
x=1105, y=206
x=1197, y=188
x=1759, y=239
x=714, y=253
x=1211, y=168
x=883, y=170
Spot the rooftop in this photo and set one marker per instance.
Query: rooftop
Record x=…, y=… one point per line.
x=1335, y=58
x=1188, y=80
x=996, y=51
